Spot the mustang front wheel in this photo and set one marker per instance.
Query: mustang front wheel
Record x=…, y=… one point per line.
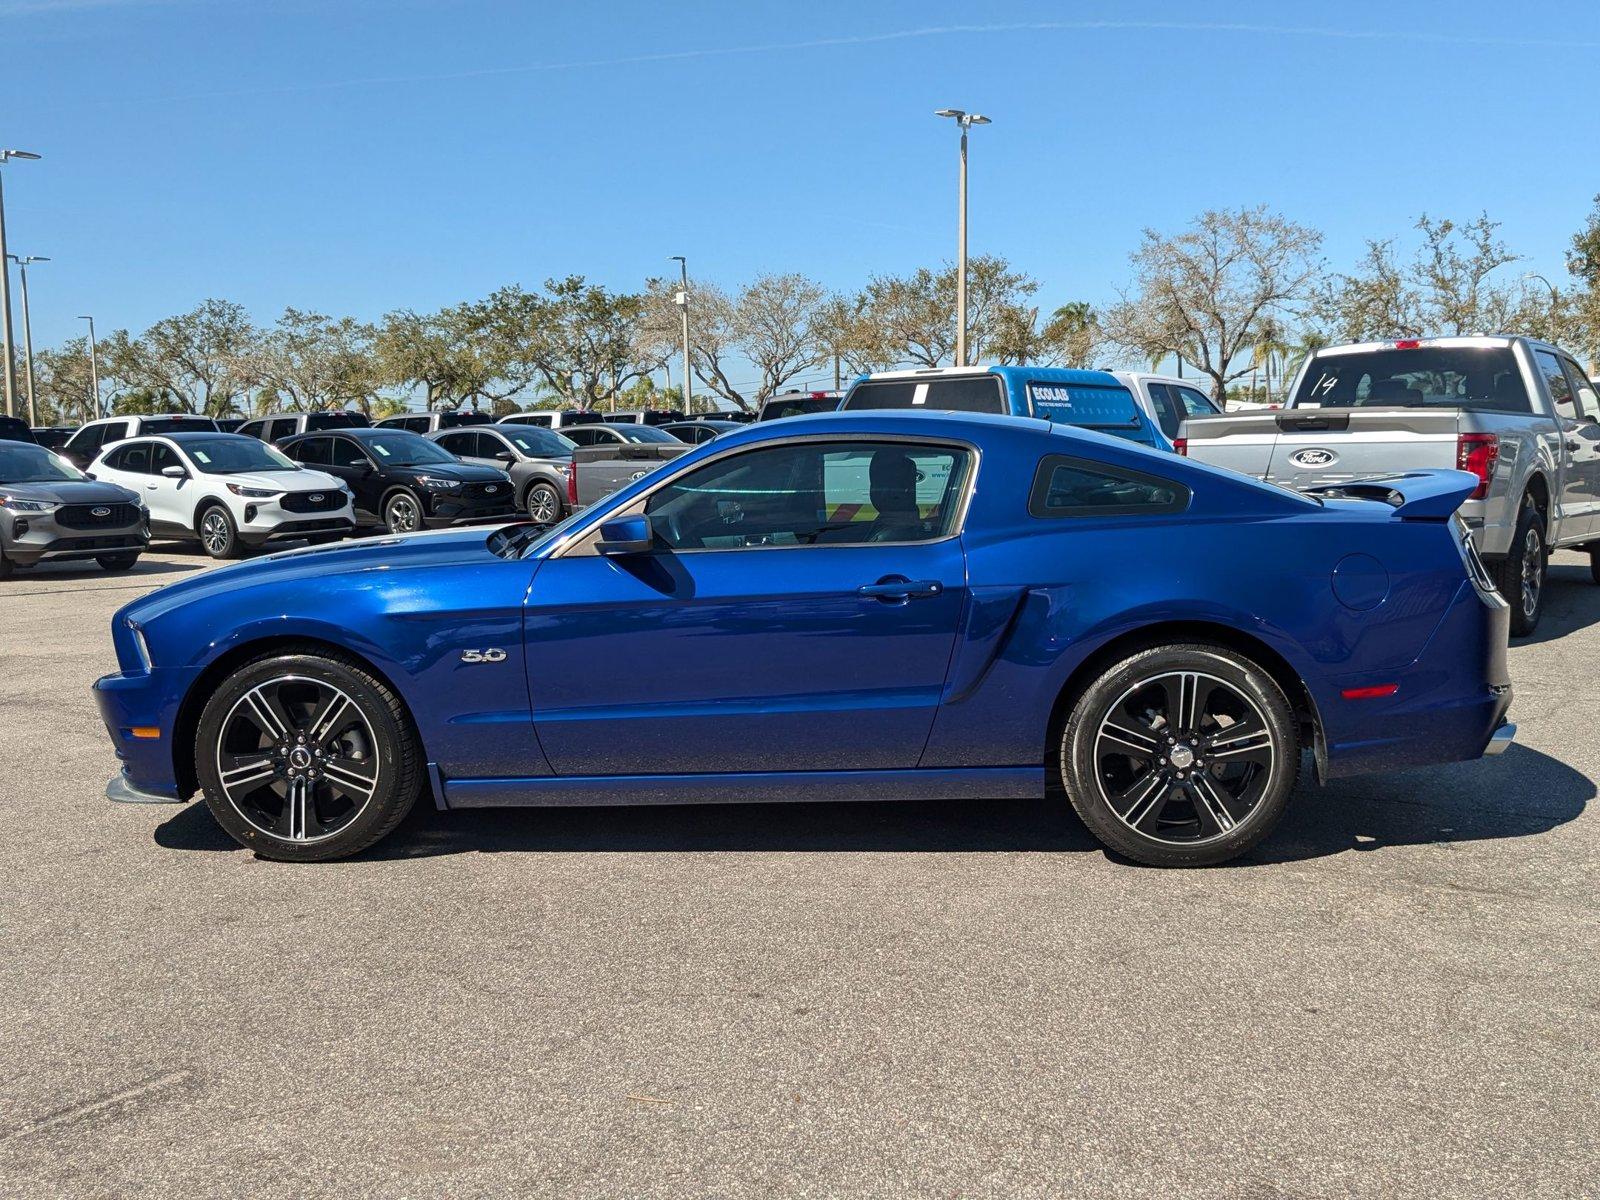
x=1181, y=755
x=303, y=757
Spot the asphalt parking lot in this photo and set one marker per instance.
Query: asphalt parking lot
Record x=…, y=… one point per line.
x=1397, y=994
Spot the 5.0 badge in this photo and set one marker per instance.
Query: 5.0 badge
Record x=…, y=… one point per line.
x=492, y=654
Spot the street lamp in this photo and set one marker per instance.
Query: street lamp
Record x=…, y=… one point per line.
x=966, y=121
x=94, y=368
x=27, y=328
x=5, y=289
x=682, y=301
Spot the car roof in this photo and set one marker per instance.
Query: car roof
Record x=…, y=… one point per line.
x=1041, y=374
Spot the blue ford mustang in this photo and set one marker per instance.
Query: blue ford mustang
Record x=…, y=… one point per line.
x=850, y=606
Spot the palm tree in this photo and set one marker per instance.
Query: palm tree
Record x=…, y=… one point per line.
x=1271, y=347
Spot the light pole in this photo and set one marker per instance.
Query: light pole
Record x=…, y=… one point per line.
x=27, y=328
x=682, y=300
x=5, y=289
x=966, y=121
x=94, y=367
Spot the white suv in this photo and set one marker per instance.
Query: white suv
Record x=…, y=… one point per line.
x=228, y=490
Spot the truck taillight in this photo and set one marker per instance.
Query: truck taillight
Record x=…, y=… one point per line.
x=572, y=482
x=1477, y=453
x=1181, y=445
x=1407, y=344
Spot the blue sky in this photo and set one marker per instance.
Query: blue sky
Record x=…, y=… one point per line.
x=353, y=156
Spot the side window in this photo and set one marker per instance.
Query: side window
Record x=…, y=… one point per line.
x=1556, y=380
x=1587, y=403
x=1076, y=487
x=162, y=456
x=253, y=429
x=313, y=451
x=418, y=424
x=1167, y=415
x=1195, y=404
x=87, y=440
x=280, y=428
x=136, y=458
x=113, y=431
x=456, y=443
x=488, y=445
x=816, y=493
x=116, y=460
x=582, y=435
x=345, y=453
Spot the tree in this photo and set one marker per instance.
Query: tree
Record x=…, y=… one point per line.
x=1204, y=292
x=204, y=360
x=583, y=340
x=912, y=318
x=1072, y=337
x=63, y=383
x=308, y=361
x=1444, y=289
x=1583, y=263
x=431, y=351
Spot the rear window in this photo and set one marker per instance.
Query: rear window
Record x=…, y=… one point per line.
x=799, y=406
x=1427, y=377
x=971, y=393
x=336, y=420
x=156, y=425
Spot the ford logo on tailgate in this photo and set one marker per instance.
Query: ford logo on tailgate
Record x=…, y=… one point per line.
x=1313, y=456
x=100, y=512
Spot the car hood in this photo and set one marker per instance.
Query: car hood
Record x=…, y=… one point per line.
x=86, y=491
x=284, y=481
x=465, y=472
x=321, y=569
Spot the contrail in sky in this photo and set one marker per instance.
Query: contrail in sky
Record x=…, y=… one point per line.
x=928, y=32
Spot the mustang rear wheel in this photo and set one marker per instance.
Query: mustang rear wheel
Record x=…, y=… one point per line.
x=1181, y=755
x=303, y=757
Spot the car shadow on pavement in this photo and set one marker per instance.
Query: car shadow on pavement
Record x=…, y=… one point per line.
x=1520, y=793
x=77, y=572
x=1571, y=602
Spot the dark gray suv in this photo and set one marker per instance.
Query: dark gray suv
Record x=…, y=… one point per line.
x=50, y=510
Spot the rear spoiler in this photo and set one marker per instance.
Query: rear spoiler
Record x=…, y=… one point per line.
x=1414, y=496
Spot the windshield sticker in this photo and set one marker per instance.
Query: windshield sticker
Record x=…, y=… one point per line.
x=202, y=456
x=381, y=448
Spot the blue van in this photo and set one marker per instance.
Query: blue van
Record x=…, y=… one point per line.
x=1088, y=399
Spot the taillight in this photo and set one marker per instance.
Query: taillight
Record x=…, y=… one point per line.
x=1477, y=453
x=1407, y=344
x=1181, y=445
x=572, y=482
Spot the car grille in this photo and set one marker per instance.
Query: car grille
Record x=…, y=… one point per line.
x=491, y=493
x=306, y=502
x=96, y=516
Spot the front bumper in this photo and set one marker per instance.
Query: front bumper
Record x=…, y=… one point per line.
x=444, y=512
x=140, y=712
x=31, y=537
x=268, y=520
x=122, y=790
x=296, y=529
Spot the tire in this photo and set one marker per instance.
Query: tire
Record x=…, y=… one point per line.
x=118, y=562
x=1520, y=575
x=402, y=513
x=1594, y=563
x=6, y=566
x=543, y=504
x=310, y=790
x=1201, y=794
x=219, y=536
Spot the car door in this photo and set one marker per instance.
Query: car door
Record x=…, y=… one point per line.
x=349, y=462
x=1582, y=437
x=797, y=613
x=1580, y=481
x=171, y=501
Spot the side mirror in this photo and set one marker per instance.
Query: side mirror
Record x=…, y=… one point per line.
x=505, y=456
x=175, y=472
x=625, y=535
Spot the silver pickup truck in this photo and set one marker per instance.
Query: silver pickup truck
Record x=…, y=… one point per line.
x=1519, y=414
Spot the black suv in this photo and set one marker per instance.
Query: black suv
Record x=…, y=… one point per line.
x=274, y=427
x=405, y=482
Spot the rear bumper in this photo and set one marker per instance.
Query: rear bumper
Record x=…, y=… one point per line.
x=1500, y=740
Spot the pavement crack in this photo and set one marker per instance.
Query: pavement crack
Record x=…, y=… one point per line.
x=87, y=1109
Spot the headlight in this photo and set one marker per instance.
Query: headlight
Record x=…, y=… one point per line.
x=140, y=645
x=250, y=493
x=439, y=485
x=16, y=504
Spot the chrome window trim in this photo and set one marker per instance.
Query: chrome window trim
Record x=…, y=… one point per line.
x=580, y=542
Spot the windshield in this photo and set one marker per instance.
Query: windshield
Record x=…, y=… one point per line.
x=645, y=433
x=1427, y=377
x=542, y=443
x=234, y=453
x=153, y=425
x=397, y=449
x=21, y=462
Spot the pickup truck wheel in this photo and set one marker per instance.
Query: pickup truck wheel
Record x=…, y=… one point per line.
x=1520, y=576
x=304, y=757
x=1181, y=756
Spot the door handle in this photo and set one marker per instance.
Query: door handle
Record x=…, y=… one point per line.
x=901, y=589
